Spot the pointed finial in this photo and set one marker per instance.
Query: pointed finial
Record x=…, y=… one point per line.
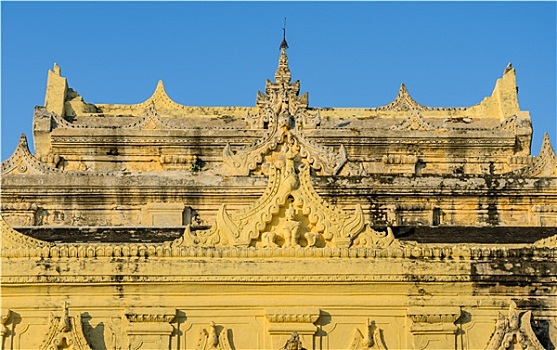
x=284, y=44
x=282, y=75
x=508, y=68
x=57, y=69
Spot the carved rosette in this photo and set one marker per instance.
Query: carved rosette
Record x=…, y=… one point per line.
x=514, y=330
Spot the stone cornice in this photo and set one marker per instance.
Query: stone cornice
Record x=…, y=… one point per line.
x=142, y=315
x=433, y=314
x=292, y=315
x=18, y=248
x=243, y=279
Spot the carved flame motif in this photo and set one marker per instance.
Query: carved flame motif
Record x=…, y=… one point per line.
x=290, y=197
x=209, y=340
x=65, y=332
x=371, y=339
x=514, y=332
x=284, y=114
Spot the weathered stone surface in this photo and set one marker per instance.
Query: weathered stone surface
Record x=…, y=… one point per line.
x=279, y=226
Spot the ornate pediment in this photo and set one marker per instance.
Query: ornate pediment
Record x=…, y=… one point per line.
x=23, y=162
x=289, y=214
x=514, y=332
x=65, y=332
x=403, y=102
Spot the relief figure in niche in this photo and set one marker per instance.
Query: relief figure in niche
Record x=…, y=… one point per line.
x=289, y=229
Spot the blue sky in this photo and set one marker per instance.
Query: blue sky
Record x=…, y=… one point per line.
x=220, y=53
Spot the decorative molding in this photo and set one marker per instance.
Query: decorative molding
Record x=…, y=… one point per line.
x=292, y=315
x=65, y=332
x=433, y=315
x=399, y=159
x=279, y=278
x=210, y=340
x=514, y=330
x=136, y=315
x=414, y=122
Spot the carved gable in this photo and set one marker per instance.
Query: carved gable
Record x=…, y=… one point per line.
x=23, y=162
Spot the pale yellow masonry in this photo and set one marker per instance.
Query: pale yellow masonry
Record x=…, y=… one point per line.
x=279, y=226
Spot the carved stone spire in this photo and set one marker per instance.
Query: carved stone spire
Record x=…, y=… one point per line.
x=283, y=75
